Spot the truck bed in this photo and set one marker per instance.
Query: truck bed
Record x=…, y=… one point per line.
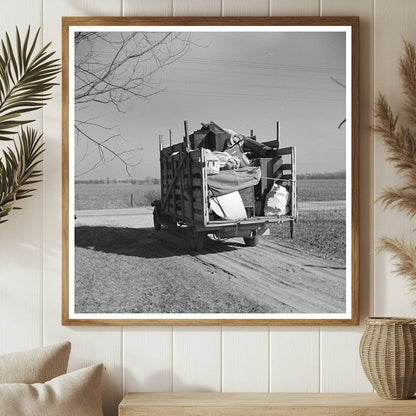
x=185, y=192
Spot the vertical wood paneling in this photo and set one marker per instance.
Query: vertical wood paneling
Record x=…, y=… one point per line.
x=147, y=359
x=294, y=8
x=21, y=237
x=394, y=21
x=245, y=359
x=196, y=359
x=147, y=7
x=245, y=8
x=20, y=13
x=341, y=370
x=294, y=351
x=197, y=8
x=89, y=345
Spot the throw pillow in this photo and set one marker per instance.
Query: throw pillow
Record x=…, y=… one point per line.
x=73, y=394
x=35, y=366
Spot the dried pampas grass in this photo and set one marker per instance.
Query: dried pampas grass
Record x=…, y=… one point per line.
x=401, y=144
x=405, y=255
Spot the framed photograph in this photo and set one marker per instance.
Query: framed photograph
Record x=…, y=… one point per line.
x=210, y=171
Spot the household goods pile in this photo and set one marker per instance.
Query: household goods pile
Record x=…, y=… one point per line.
x=233, y=164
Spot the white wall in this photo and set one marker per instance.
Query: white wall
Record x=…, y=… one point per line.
x=306, y=359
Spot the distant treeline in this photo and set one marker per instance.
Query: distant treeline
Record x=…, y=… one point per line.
x=322, y=175
x=147, y=181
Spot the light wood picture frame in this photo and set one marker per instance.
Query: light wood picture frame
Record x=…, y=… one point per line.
x=135, y=91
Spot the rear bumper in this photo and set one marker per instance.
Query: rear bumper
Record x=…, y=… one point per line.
x=249, y=224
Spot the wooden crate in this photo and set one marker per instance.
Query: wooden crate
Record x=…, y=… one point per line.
x=271, y=169
x=249, y=200
x=281, y=167
x=183, y=186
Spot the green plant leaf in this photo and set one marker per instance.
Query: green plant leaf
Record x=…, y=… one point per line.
x=25, y=79
x=18, y=170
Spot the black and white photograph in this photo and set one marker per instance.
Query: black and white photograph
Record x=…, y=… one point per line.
x=210, y=172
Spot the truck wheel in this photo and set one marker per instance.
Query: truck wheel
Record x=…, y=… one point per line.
x=251, y=241
x=196, y=239
x=156, y=222
x=157, y=213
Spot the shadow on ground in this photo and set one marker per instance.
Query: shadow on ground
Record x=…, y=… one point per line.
x=144, y=242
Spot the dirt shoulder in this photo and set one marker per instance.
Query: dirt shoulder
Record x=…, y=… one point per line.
x=138, y=270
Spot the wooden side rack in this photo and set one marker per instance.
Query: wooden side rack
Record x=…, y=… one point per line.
x=262, y=404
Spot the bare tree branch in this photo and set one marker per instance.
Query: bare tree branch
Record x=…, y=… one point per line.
x=103, y=147
x=338, y=82
x=343, y=86
x=114, y=68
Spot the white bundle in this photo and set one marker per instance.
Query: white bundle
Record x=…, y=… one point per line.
x=276, y=201
x=227, y=161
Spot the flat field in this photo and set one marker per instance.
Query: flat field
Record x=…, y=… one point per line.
x=321, y=190
x=120, y=195
x=318, y=233
x=114, y=195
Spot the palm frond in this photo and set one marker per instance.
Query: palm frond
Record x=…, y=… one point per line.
x=19, y=168
x=25, y=79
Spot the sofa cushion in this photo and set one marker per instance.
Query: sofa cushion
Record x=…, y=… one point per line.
x=35, y=366
x=73, y=394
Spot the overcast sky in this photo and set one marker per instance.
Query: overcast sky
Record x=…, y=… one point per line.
x=242, y=81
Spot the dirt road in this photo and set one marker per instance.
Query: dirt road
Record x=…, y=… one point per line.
x=137, y=270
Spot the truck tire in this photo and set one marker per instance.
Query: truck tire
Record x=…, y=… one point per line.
x=251, y=241
x=156, y=222
x=196, y=239
x=156, y=215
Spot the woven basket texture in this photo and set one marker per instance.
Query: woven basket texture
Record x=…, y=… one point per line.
x=388, y=356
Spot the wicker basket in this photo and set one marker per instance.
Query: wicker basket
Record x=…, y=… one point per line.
x=388, y=356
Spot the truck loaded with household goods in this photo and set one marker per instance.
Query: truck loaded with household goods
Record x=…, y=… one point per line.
x=225, y=184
